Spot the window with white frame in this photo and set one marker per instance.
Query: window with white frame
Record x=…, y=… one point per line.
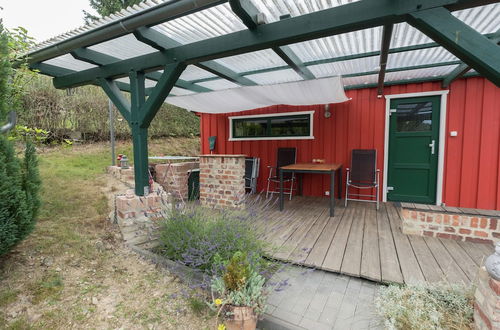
x=277, y=126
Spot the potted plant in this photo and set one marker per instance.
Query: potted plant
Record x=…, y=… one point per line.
x=239, y=294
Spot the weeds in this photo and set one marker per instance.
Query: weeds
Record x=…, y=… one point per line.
x=426, y=306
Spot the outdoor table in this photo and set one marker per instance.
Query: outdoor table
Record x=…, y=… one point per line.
x=318, y=169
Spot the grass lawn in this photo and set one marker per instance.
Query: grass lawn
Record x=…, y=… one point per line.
x=73, y=270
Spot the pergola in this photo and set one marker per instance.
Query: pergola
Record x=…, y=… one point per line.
x=180, y=47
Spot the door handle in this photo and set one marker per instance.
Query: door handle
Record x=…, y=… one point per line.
x=432, y=145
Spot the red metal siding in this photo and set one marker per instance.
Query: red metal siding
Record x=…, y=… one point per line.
x=472, y=159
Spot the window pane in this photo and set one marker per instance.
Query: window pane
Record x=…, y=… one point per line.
x=250, y=127
x=290, y=126
x=414, y=117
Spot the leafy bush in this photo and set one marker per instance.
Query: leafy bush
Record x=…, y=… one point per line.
x=203, y=239
x=83, y=114
x=426, y=306
x=240, y=285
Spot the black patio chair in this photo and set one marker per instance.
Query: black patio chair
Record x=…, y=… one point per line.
x=363, y=174
x=285, y=156
x=251, y=173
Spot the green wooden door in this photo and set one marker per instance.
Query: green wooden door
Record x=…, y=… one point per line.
x=413, y=149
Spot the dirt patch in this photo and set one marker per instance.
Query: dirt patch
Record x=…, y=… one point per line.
x=85, y=277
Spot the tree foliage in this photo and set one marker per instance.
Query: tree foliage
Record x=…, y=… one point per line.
x=19, y=179
x=107, y=7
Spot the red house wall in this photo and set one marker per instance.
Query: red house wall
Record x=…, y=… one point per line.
x=472, y=159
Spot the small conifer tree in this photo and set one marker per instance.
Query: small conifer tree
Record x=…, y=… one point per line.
x=19, y=179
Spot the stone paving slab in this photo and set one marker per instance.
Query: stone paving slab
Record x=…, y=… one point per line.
x=315, y=299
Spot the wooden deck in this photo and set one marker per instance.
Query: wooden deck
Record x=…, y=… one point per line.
x=363, y=242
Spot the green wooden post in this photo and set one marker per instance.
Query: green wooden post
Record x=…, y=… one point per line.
x=139, y=113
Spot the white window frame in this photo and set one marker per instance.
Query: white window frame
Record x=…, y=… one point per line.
x=276, y=114
x=442, y=138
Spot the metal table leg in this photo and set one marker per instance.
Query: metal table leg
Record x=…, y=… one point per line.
x=332, y=193
x=281, y=190
x=339, y=182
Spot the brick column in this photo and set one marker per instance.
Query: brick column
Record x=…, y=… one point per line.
x=222, y=180
x=174, y=178
x=487, y=302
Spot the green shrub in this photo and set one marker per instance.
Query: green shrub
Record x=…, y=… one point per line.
x=19, y=194
x=204, y=239
x=426, y=306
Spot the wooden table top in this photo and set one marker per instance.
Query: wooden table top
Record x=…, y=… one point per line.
x=312, y=167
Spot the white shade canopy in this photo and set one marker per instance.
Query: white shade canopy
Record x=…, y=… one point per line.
x=306, y=92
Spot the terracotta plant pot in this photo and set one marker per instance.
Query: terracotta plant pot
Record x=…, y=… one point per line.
x=242, y=318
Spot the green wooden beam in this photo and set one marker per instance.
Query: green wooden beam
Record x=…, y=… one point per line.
x=160, y=92
x=338, y=59
x=464, y=68
x=100, y=59
x=342, y=19
x=139, y=112
x=246, y=11
x=115, y=95
x=55, y=71
x=461, y=40
x=405, y=81
x=384, y=54
x=161, y=42
x=290, y=58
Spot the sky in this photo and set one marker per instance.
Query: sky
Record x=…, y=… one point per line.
x=44, y=18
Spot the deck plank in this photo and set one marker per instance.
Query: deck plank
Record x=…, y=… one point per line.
x=351, y=263
x=370, y=257
x=428, y=264
x=451, y=270
x=335, y=254
x=462, y=259
x=298, y=235
x=320, y=248
x=389, y=263
x=407, y=260
x=475, y=253
x=305, y=245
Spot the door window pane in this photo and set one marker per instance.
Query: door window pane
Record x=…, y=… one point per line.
x=414, y=117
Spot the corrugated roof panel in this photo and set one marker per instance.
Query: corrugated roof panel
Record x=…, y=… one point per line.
x=208, y=23
x=193, y=72
x=262, y=59
x=356, y=42
x=218, y=84
x=273, y=9
x=420, y=73
x=345, y=67
x=419, y=57
x=361, y=80
x=124, y=47
x=275, y=77
x=69, y=62
x=147, y=82
x=484, y=19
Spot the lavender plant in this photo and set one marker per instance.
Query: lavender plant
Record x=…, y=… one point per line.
x=204, y=239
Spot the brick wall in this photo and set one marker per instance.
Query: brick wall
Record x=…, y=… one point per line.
x=124, y=175
x=222, y=182
x=487, y=302
x=174, y=177
x=139, y=216
x=462, y=227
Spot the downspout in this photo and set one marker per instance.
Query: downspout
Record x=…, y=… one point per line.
x=12, y=118
x=149, y=17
